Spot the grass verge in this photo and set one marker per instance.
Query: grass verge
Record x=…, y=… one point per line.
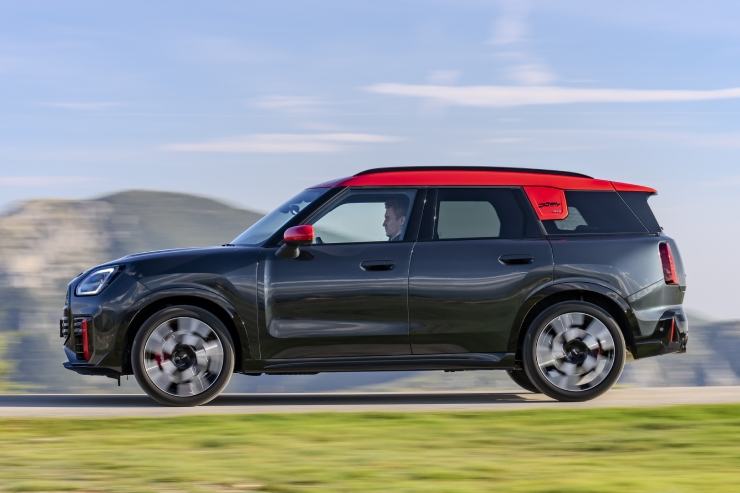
x=5, y=365
x=676, y=449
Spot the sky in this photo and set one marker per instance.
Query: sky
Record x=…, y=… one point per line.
x=249, y=102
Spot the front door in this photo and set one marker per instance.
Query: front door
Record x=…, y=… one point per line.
x=346, y=295
x=480, y=254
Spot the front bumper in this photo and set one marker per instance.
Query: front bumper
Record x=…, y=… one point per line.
x=87, y=369
x=93, y=327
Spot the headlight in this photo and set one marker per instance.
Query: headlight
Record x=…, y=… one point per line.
x=94, y=282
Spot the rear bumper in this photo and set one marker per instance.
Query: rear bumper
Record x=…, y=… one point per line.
x=670, y=334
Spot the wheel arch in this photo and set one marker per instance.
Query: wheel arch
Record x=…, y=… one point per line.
x=596, y=294
x=218, y=307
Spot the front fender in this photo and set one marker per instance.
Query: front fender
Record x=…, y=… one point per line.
x=246, y=334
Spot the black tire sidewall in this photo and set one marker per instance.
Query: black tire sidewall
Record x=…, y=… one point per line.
x=521, y=379
x=540, y=323
x=154, y=321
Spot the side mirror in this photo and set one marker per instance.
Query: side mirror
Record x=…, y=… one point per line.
x=300, y=235
x=295, y=237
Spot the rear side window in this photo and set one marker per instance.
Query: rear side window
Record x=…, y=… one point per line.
x=595, y=213
x=467, y=213
x=638, y=202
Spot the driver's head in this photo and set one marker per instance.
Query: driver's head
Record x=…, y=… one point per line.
x=395, y=216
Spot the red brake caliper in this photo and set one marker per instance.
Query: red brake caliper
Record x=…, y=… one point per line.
x=160, y=358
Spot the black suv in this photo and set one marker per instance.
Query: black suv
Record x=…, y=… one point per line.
x=551, y=276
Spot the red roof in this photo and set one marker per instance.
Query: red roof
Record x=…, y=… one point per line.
x=481, y=177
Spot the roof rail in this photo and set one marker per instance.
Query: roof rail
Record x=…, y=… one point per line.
x=472, y=168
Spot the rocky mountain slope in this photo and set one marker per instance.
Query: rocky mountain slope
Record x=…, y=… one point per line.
x=44, y=243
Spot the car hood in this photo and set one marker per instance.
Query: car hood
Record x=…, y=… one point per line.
x=202, y=261
x=170, y=252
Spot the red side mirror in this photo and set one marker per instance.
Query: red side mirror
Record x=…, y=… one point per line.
x=299, y=235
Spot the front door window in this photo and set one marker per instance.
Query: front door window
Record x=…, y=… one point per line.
x=366, y=216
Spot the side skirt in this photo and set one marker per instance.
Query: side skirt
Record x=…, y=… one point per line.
x=412, y=362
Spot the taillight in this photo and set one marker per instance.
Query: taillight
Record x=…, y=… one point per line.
x=669, y=266
x=84, y=328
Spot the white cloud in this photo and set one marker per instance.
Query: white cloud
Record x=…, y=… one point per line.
x=502, y=96
x=288, y=103
x=82, y=105
x=531, y=74
x=510, y=38
x=283, y=143
x=511, y=26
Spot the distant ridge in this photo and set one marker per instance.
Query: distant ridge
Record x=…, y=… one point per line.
x=46, y=242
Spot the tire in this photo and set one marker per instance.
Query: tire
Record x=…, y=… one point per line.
x=574, y=351
x=183, y=356
x=521, y=379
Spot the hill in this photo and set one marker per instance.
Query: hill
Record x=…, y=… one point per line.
x=45, y=243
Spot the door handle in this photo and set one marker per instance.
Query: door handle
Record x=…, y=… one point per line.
x=516, y=259
x=376, y=265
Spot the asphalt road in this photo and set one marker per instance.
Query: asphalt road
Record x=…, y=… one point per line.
x=115, y=405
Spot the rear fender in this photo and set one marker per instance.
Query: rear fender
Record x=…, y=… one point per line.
x=589, y=291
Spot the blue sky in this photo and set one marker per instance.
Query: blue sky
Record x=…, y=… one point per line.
x=251, y=101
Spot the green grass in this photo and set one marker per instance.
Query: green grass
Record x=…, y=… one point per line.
x=5, y=365
x=676, y=449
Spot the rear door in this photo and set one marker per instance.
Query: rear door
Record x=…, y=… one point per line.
x=481, y=252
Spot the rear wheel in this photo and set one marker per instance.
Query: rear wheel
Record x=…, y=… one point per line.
x=183, y=356
x=521, y=379
x=574, y=351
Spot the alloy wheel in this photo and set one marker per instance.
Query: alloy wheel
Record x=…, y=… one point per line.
x=183, y=356
x=575, y=352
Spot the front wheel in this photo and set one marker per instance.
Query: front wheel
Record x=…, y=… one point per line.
x=183, y=356
x=574, y=351
x=521, y=379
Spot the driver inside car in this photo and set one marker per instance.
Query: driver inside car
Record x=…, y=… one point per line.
x=395, y=217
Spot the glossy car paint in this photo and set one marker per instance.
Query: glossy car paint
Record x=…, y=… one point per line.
x=336, y=300
x=469, y=177
x=467, y=303
x=323, y=312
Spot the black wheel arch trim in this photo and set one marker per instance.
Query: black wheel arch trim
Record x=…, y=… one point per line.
x=568, y=290
x=245, y=335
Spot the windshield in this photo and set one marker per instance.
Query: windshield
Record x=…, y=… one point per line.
x=266, y=227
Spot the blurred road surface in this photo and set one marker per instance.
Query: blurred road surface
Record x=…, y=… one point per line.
x=115, y=405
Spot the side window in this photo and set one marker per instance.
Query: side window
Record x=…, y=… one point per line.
x=595, y=213
x=363, y=216
x=573, y=221
x=466, y=213
x=638, y=202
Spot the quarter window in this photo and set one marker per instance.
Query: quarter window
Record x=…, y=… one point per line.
x=595, y=213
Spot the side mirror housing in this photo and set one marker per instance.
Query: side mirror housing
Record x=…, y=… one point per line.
x=300, y=235
x=294, y=238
